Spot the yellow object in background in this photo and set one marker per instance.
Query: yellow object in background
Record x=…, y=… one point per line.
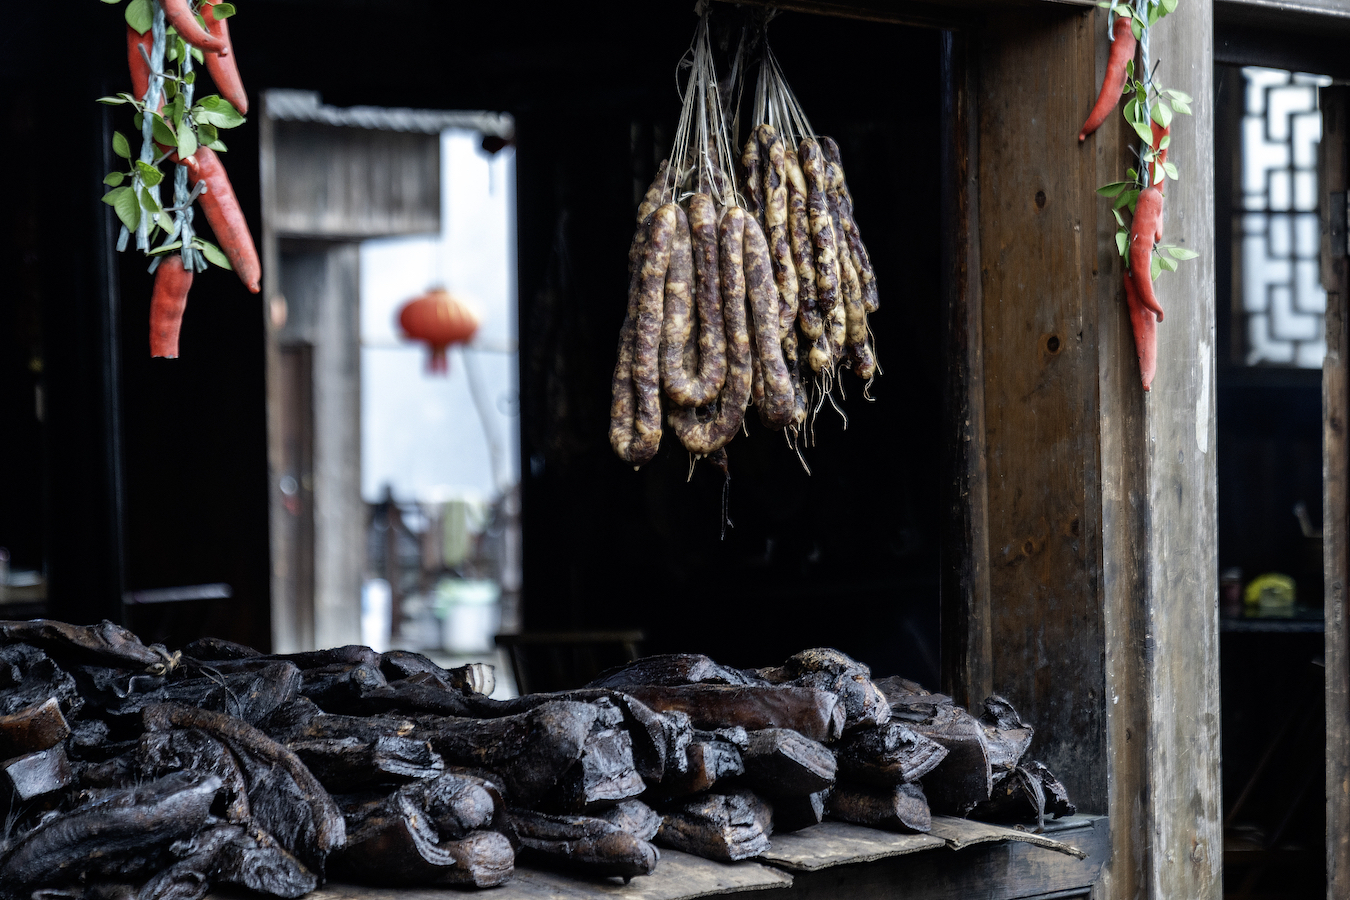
x=1271, y=594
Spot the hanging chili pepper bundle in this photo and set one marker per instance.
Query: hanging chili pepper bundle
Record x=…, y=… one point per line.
x=1149, y=111
x=164, y=40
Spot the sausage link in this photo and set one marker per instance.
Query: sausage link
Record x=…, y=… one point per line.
x=712, y=338
x=754, y=187
x=623, y=402
x=677, y=350
x=647, y=339
x=799, y=232
x=776, y=226
x=708, y=434
x=776, y=410
x=826, y=248
x=862, y=262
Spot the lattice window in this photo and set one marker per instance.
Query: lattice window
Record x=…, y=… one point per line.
x=1283, y=300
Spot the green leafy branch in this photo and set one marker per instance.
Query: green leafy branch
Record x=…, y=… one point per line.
x=179, y=127
x=1148, y=105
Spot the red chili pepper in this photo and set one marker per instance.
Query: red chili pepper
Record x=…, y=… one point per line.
x=1143, y=232
x=1122, y=51
x=178, y=13
x=222, y=210
x=224, y=71
x=172, y=283
x=1145, y=328
x=1159, y=157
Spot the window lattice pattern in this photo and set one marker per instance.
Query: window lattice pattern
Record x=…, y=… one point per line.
x=1282, y=295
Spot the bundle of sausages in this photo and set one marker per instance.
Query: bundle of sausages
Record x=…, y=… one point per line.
x=703, y=325
x=726, y=288
x=824, y=275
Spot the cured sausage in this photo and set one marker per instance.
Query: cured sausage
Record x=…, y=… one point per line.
x=638, y=367
x=776, y=225
x=852, y=236
x=676, y=350
x=776, y=409
x=707, y=435
x=826, y=248
x=799, y=233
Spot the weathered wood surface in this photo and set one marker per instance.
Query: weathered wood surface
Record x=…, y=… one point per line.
x=1000, y=871
x=1037, y=227
x=962, y=833
x=967, y=652
x=1335, y=177
x=678, y=876
x=839, y=843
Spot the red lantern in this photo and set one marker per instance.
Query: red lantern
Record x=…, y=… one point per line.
x=438, y=318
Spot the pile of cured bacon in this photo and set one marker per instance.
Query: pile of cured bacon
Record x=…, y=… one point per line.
x=749, y=284
x=132, y=772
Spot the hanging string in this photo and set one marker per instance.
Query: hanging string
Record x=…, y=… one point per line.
x=153, y=92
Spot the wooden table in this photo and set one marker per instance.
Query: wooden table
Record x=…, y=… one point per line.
x=836, y=861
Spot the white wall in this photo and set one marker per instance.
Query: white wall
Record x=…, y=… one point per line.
x=420, y=433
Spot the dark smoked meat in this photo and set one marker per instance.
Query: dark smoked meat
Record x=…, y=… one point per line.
x=583, y=843
x=34, y=775
x=105, y=643
x=816, y=714
x=782, y=763
x=37, y=727
x=829, y=670
x=604, y=775
x=889, y=755
x=796, y=813
x=181, y=749
x=118, y=832
x=671, y=669
x=29, y=677
x=285, y=799
x=711, y=756
x=901, y=808
x=634, y=817
x=725, y=827
x=530, y=751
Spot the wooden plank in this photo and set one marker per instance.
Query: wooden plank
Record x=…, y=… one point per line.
x=962, y=833
x=1037, y=232
x=678, y=876
x=1334, y=162
x=1001, y=871
x=1180, y=662
x=967, y=654
x=839, y=843
x=931, y=13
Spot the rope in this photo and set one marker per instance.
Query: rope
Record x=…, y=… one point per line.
x=153, y=92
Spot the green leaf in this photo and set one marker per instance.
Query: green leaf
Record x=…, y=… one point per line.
x=1162, y=115
x=163, y=133
x=216, y=110
x=1169, y=6
x=123, y=202
x=1182, y=107
x=1180, y=95
x=212, y=254
x=198, y=56
x=1134, y=176
x=1171, y=170
x=113, y=179
x=165, y=248
x=206, y=133
x=140, y=15
x=1167, y=264
x=149, y=203
x=187, y=139
x=1156, y=268
x=1158, y=175
x=1182, y=253
x=1120, y=220
x=1137, y=27
x=111, y=101
x=1122, y=241
x=170, y=89
x=218, y=146
x=138, y=120
x=1128, y=109
x=225, y=10
x=191, y=77
x=1165, y=142
x=1154, y=14
x=1129, y=71
x=1142, y=129
x=149, y=174
x=1113, y=189
x=1126, y=198
x=166, y=222
x=120, y=145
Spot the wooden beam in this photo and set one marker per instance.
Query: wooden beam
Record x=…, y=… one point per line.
x=926, y=13
x=1335, y=179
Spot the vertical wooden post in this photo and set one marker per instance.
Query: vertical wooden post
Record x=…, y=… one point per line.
x=967, y=656
x=1180, y=665
x=1335, y=180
